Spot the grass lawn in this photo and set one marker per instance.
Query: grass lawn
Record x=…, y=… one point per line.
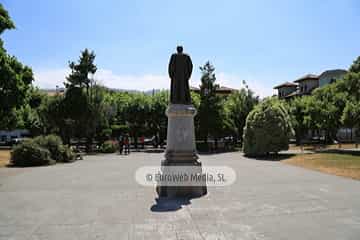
x=313, y=147
x=345, y=165
x=4, y=157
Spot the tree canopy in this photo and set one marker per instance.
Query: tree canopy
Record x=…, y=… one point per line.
x=5, y=20
x=239, y=105
x=15, y=79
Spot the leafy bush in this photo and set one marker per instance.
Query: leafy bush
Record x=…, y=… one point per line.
x=58, y=151
x=53, y=143
x=29, y=153
x=108, y=147
x=268, y=129
x=67, y=154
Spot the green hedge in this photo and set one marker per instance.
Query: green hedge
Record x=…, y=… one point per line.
x=267, y=129
x=58, y=151
x=29, y=153
x=42, y=150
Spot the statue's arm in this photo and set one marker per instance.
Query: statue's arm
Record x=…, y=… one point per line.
x=171, y=68
x=190, y=66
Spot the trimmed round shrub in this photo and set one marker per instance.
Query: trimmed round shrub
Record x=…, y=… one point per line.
x=58, y=151
x=267, y=129
x=108, y=147
x=29, y=153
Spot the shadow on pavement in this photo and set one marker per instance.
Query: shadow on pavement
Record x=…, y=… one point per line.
x=154, y=151
x=169, y=204
x=272, y=157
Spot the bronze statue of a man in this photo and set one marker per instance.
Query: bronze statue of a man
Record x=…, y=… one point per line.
x=180, y=69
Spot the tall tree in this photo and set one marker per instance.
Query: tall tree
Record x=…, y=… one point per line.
x=239, y=105
x=157, y=120
x=15, y=79
x=328, y=107
x=298, y=110
x=212, y=115
x=351, y=115
x=79, y=76
x=136, y=114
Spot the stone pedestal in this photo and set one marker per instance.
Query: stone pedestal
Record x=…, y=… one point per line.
x=181, y=151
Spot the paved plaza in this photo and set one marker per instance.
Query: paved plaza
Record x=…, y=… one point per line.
x=98, y=198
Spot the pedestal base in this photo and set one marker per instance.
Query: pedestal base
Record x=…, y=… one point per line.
x=190, y=191
x=181, y=151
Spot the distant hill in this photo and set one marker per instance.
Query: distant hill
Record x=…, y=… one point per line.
x=53, y=91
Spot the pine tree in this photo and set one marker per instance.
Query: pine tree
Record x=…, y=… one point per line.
x=211, y=110
x=79, y=76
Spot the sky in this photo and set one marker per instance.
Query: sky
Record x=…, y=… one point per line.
x=262, y=42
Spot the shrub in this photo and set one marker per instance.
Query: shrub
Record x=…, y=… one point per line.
x=29, y=153
x=53, y=143
x=67, y=154
x=58, y=151
x=268, y=129
x=108, y=147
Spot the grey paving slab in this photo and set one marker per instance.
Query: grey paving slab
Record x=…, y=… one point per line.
x=98, y=198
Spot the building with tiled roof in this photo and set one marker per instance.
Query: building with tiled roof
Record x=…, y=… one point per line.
x=222, y=90
x=330, y=76
x=285, y=89
x=307, y=83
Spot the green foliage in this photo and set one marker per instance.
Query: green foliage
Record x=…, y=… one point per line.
x=15, y=82
x=303, y=114
x=351, y=114
x=118, y=130
x=29, y=153
x=195, y=99
x=268, y=129
x=58, y=151
x=105, y=134
x=239, y=105
x=350, y=85
x=212, y=117
x=108, y=147
x=157, y=120
x=355, y=67
x=327, y=108
x=86, y=108
x=68, y=155
x=79, y=76
x=28, y=118
x=54, y=115
x=15, y=79
x=137, y=112
x=5, y=20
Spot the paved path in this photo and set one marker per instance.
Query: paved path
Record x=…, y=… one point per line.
x=98, y=198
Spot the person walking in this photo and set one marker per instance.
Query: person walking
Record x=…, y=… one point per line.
x=142, y=142
x=121, y=144
x=127, y=144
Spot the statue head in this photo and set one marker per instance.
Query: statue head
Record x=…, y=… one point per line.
x=179, y=49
